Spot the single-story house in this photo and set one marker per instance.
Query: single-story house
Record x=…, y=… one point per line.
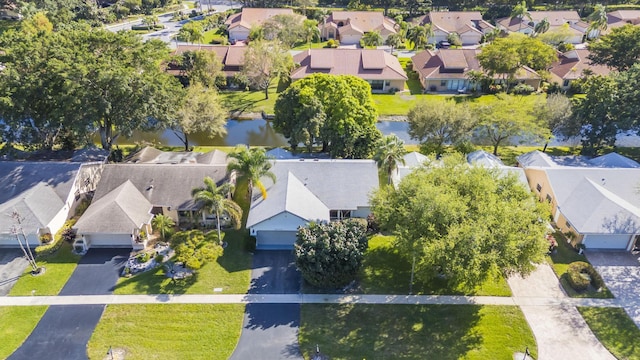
x=577, y=27
x=44, y=194
x=620, y=18
x=611, y=160
x=446, y=70
x=469, y=25
x=349, y=26
x=120, y=218
x=231, y=57
x=412, y=161
x=572, y=65
x=379, y=68
x=239, y=25
x=309, y=190
x=599, y=204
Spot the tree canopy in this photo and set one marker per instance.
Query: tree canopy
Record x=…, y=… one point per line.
x=619, y=50
x=463, y=223
x=437, y=123
x=330, y=255
x=264, y=61
x=389, y=155
x=335, y=111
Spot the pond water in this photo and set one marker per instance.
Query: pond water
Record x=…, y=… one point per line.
x=254, y=132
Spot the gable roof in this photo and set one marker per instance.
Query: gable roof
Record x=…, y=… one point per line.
x=362, y=21
x=36, y=206
x=151, y=155
x=535, y=158
x=291, y=196
x=455, y=21
x=490, y=161
x=90, y=154
x=414, y=159
x=250, y=17
x=614, y=160
x=555, y=18
x=572, y=64
x=161, y=184
x=620, y=18
x=455, y=63
x=369, y=64
x=118, y=212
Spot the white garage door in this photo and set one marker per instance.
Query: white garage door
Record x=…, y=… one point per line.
x=618, y=242
x=109, y=240
x=275, y=240
x=349, y=39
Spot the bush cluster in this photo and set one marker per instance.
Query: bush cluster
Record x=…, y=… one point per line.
x=49, y=249
x=580, y=283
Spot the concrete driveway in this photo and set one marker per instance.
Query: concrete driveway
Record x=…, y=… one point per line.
x=12, y=265
x=560, y=331
x=64, y=331
x=270, y=331
x=620, y=270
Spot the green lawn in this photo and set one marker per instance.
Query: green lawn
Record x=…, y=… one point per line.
x=231, y=272
x=384, y=271
x=414, y=332
x=249, y=101
x=615, y=330
x=214, y=36
x=16, y=323
x=314, y=45
x=59, y=268
x=168, y=331
x=560, y=262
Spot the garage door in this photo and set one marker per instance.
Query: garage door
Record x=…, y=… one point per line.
x=618, y=242
x=275, y=240
x=349, y=39
x=109, y=240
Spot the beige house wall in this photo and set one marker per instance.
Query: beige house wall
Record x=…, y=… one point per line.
x=538, y=178
x=398, y=84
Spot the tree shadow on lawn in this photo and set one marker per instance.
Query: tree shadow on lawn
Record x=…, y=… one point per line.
x=156, y=282
x=386, y=331
x=235, y=256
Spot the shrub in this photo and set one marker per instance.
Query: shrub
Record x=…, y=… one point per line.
x=144, y=257
x=523, y=89
x=45, y=238
x=332, y=43
x=564, y=47
x=578, y=281
x=49, y=249
x=159, y=258
x=372, y=224
x=464, y=146
x=68, y=235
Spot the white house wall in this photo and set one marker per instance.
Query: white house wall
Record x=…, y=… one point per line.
x=282, y=222
x=470, y=38
x=607, y=241
x=8, y=240
x=239, y=34
x=350, y=39
x=361, y=212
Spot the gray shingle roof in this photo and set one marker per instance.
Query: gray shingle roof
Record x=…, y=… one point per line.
x=150, y=155
x=280, y=153
x=288, y=195
x=119, y=212
x=338, y=184
x=484, y=158
x=535, y=158
x=613, y=160
x=162, y=185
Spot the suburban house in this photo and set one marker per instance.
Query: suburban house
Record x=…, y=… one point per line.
x=239, y=25
x=620, y=18
x=309, y=190
x=349, y=26
x=576, y=26
x=490, y=161
x=44, y=194
x=574, y=65
x=446, y=70
x=594, y=199
x=133, y=191
x=379, y=68
x=412, y=161
x=231, y=57
x=469, y=25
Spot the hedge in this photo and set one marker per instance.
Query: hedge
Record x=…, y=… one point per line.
x=580, y=283
x=49, y=249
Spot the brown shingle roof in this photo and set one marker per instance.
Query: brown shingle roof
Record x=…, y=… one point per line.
x=250, y=17
x=369, y=64
x=620, y=18
x=232, y=57
x=455, y=21
x=571, y=65
x=555, y=18
x=365, y=21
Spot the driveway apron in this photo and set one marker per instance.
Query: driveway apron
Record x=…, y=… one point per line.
x=270, y=331
x=620, y=271
x=12, y=265
x=64, y=331
x=560, y=331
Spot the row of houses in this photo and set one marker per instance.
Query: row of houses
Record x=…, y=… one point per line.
x=348, y=27
x=441, y=70
x=594, y=199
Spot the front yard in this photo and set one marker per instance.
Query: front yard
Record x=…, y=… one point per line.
x=168, y=331
x=615, y=330
x=16, y=323
x=415, y=332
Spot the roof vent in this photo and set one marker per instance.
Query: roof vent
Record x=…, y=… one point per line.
x=604, y=181
x=150, y=187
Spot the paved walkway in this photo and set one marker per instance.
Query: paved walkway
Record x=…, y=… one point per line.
x=560, y=331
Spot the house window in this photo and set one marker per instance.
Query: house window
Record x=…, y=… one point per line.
x=377, y=84
x=538, y=187
x=568, y=225
x=339, y=214
x=443, y=82
x=548, y=198
x=565, y=83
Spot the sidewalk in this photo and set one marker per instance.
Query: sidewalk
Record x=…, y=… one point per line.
x=305, y=299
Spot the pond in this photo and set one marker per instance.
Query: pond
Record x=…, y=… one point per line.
x=253, y=132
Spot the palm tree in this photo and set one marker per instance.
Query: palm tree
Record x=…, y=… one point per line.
x=251, y=166
x=390, y=153
x=163, y=223
x=542, y=27
x=310, y=30
x=394, y=40
x=372, y=38
x=520, y=11
x=597, y=19
x=215, y=200
x=418, y=35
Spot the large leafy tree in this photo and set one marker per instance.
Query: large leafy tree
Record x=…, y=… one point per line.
x=251, y=165
x=335, y=111
x=330, y=255
x=289, y=29
x=201, y=111
x=389, y=155
x=619, y=50
x=217, y=200
x=264, y=61
x=194, y=249
x=203, y=67
x=438, y=123
x=555, y=111
x=504, y=121
x=463, y=223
